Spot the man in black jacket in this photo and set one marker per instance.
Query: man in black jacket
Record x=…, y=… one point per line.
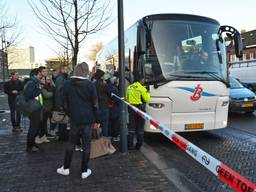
x=104, y=98
x=58, y=100
x=81, y=104
x=12, y=88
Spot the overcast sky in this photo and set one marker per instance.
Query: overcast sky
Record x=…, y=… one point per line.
x=239, y=14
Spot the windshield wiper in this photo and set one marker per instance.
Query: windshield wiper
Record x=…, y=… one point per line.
x=212, y=74
x=176, y=78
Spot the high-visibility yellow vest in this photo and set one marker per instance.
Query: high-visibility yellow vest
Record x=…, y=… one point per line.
x=137, y=94
x=40, y=99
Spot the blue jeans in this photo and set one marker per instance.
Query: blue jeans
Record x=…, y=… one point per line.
x=104, y=118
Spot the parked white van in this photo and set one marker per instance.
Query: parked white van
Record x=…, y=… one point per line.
x=245, y=72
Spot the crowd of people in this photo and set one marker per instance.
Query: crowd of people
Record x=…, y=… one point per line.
x=85, y=97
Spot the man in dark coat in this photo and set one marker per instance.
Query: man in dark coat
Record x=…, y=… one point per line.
x=104, y=96
x=81, y=104
x=58, y=100
x=12, y=88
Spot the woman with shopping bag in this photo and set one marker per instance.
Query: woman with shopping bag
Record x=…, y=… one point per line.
x=81, y=105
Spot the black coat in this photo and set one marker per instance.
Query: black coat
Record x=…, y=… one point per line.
x=81, y=101
x=58, y=100
x=104, y=94
x=10, y=86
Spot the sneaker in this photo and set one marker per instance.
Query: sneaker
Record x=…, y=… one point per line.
x=38, y=140
x=138, y=146
x=63, y=171
x=53, y=133
x=16, y=129
x=32, y=149
x=78, y=148
x=49, y=136
x=115, y=139
x=86, y=174
x=44, y=139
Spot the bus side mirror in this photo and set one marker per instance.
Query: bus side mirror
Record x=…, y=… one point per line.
x=232, y=33
x=238, y=45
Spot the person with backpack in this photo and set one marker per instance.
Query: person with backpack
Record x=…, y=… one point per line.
x=12, y=88
x=32, y=91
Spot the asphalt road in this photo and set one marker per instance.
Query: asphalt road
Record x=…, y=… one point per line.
x=235, y=146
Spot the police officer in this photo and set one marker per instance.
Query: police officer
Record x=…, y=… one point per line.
x=138, y=96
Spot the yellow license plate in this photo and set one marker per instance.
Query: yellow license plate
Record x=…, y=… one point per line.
x=247, y=105
x=194, y=126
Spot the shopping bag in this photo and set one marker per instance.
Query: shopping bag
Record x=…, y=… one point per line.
x=101, y=147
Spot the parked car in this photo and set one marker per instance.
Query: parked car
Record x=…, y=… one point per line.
x=241, y=98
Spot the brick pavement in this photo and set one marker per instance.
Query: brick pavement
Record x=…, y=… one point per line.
x=22, y=172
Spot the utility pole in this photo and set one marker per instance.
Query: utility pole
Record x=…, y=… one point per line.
x=123, y=126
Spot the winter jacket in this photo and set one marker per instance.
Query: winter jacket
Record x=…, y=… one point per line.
x=32, y=89
x=10, y=86
x=80, y=101
x=115, y=108
x=47, y=92
x=104, y=94
x=58, y=100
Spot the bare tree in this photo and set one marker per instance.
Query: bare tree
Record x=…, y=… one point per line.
x=95, y=49
x=9, y=28
x=10, y=34
x=72, y=20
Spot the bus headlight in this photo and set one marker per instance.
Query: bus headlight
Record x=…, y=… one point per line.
x=156, y=105
x=224, y=103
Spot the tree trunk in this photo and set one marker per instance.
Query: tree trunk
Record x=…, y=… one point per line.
x=74, y=59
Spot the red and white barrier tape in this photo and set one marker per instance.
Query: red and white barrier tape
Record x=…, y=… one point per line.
x=219, y=169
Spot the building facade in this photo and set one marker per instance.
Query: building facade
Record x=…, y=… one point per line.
x=56, y=63
x=21, y=59
x=249, y=48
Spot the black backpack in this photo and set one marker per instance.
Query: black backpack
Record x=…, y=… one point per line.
x=24, y=106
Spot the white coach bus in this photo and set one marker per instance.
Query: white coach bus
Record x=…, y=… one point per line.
x=183, y=60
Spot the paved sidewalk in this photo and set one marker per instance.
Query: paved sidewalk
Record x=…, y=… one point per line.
x=22, y=172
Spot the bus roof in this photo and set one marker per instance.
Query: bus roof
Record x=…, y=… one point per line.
x=176, y=16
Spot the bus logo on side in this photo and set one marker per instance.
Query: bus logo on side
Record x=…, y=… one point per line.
x=197, y=94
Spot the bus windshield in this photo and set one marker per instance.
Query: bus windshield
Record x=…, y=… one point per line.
x=184, y=50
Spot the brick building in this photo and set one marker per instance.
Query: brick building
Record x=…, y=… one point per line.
x=249, y=45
